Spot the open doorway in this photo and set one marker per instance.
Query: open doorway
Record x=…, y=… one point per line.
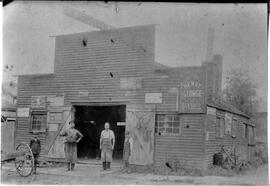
x=89, y=120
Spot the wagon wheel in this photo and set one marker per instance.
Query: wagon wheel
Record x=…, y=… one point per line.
x=24, y=164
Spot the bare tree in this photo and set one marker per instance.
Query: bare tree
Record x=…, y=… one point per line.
x=240, y=91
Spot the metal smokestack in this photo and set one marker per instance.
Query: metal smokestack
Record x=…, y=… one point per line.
x=210, y=41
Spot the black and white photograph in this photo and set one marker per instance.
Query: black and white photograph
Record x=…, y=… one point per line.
x=134, y=93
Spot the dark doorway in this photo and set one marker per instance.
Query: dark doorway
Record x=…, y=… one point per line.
x=89, y=120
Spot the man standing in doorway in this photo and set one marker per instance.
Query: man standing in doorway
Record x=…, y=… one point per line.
x=73, y=136
x=107, y=141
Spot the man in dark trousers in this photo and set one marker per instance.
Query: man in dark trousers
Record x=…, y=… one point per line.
x=73, y=136
x=35, y=147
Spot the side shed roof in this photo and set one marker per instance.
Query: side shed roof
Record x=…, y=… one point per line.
x=223, y=105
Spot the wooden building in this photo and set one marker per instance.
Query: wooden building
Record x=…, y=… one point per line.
x=112, y=76
x=8, y=120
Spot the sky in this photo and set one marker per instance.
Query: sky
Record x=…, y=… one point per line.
x=240, y=33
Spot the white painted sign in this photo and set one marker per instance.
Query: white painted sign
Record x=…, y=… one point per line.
x=207, y=136
x=53, y=127
x=191, y=96
x=23, y=112
x=38, y=101
x=211, y=111
x=55, y=100
x=153, y=98
x=173, y=90
x=131, y=83
x=121, y=123
x=83, y=94
x=131, y=93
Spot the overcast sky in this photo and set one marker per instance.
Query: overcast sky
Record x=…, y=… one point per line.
x=181, y=33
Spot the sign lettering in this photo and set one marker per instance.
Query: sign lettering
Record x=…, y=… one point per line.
x=191, y=96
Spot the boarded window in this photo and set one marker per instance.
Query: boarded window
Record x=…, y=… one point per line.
x=220, y=127
x=228, y=124
x=234, y=127
x=38, y=121
x=217, y=127
x=251, y=138
x=167, y=124
x=245, y=133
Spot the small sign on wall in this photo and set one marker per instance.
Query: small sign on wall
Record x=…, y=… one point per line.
x=207, y=136
x=53, y=127
x=131, y=83
x=211, y=111
x=83, y=94
x=153, y=98
x=23, y=112
x=121, y=123
x=55, y=100
x=38, y=101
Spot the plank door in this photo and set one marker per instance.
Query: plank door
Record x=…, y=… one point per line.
x=58, y=120
x=7, y=136
x=140, y=121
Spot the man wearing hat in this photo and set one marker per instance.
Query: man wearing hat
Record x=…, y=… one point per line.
x=35, y=147
x=73, y=136
x=107, y=141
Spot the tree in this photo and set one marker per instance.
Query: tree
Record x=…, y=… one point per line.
x=240, y=91
x=9, y=85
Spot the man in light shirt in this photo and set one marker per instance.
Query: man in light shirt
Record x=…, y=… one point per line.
x=107, y=141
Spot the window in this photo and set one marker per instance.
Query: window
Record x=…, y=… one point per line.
x=245, y=134
x=251, y=139
x=228, y=124
x=234, y=127
x=167, y=124
x=38, y=120
x=220, y=127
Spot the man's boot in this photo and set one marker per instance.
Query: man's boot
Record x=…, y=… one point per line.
x=68, y=166
x=109, y=165
x=35, y=169
x=104, y=165
x=72, y=166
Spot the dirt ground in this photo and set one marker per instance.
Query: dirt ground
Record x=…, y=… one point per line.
x=93, y=175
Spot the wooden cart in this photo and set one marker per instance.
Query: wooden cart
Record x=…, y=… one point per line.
x=23, y=159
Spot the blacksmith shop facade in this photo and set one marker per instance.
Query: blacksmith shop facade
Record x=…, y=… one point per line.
x=111, y=76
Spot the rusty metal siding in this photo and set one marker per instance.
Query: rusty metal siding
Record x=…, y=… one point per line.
x=187, y=147
x=212, y=144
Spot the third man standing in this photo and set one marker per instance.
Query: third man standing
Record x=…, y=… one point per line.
x=107, y=141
